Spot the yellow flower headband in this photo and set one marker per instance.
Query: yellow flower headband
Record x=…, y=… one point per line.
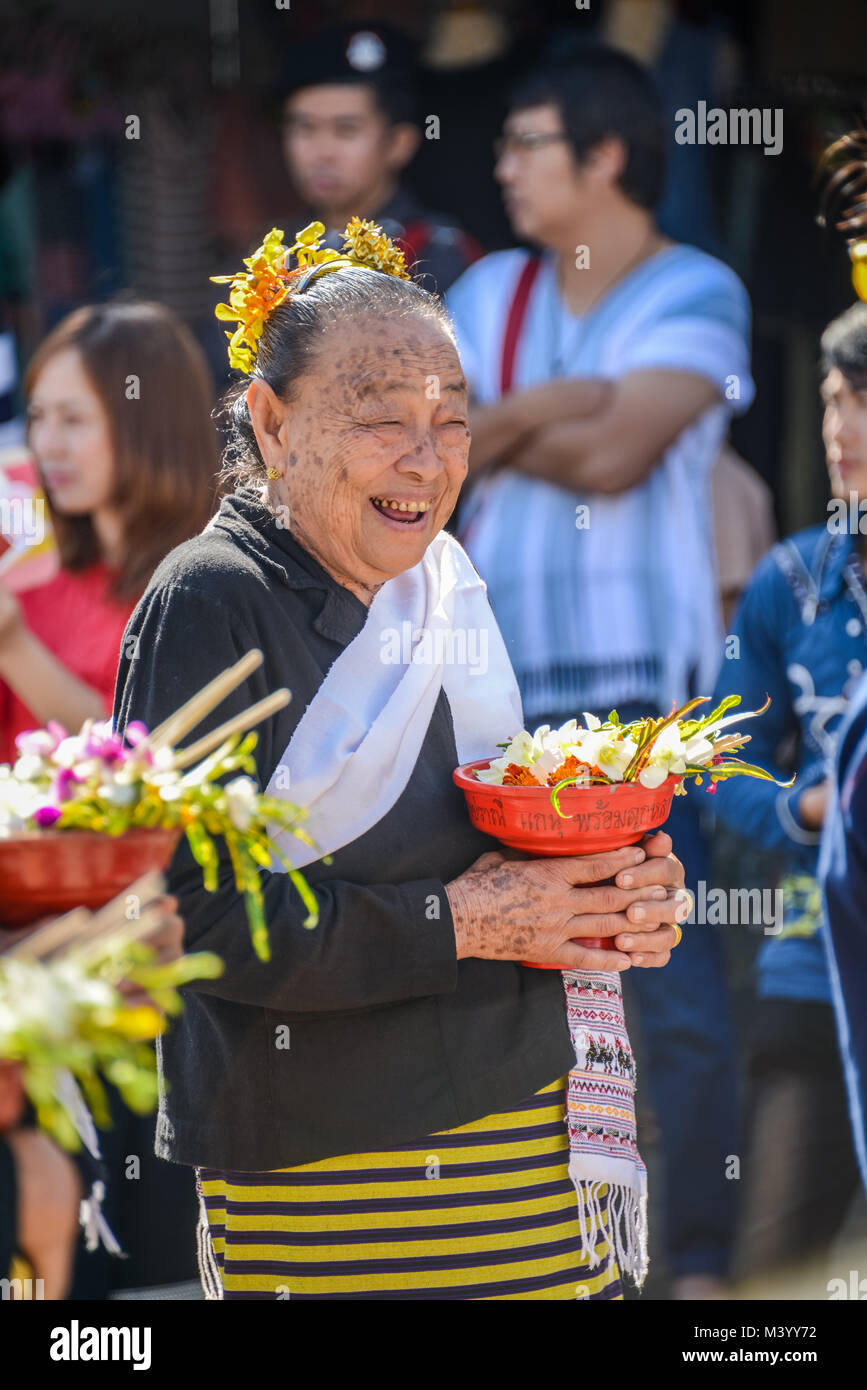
x=267, y=281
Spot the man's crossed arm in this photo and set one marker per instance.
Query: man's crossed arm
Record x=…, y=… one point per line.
x=589, y=434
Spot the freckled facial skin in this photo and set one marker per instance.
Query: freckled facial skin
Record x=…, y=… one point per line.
x=366, y=422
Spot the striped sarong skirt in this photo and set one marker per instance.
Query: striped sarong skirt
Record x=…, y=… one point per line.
x=486, y=1211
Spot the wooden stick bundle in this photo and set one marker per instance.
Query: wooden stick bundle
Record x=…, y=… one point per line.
x=81, y=925
x=201, y=704
x=254, y=715
x=207, y=699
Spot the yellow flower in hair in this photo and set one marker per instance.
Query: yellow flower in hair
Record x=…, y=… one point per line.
x=367, y=244
x=259, y=290
x=858, y=256
x=254, y=295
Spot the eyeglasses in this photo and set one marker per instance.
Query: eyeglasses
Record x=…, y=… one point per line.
x=520, y=142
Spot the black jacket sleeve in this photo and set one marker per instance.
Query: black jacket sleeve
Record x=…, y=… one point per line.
x=374, y=944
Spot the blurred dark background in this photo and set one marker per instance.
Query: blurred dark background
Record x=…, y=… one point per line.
x=86, y=210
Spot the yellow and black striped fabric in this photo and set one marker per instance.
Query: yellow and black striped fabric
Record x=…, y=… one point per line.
x=486, y=1211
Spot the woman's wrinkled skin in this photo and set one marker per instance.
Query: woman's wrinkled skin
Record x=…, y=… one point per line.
x=383, y=413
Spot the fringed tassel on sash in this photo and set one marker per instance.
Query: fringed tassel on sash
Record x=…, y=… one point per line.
x=209, y=1270
x=626, y=1226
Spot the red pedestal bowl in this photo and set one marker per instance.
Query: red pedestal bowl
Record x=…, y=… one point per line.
x=46, y=873
x=594, y=819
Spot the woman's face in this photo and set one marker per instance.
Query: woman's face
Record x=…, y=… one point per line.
x=374, y=447
x=70, y=436
x=844, y=431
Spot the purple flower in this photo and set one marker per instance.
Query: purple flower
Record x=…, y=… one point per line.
x=102, y=743
x=46, y=815
x=136, y=733
x=113, y=750
x=62, y=789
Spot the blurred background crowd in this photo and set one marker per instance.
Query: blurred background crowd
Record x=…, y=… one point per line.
x=145, y=149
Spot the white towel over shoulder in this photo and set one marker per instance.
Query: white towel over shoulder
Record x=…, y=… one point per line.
x=359, y=739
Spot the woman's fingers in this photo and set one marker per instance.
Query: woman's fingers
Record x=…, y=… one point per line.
x=595, y=868
x=657, y=844
x=640, y=920
x=607, y=898
x=666, y=870
x=168, y=940
x=651, y=948
x=653, y=912
x=573, y=956
x=601, y=924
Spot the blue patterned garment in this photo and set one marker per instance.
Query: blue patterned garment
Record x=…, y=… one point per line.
x=801, y=633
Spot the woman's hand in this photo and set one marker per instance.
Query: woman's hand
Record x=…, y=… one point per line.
x=507, y=907
x=167, y=942
x=812, y=805
x=11, y=618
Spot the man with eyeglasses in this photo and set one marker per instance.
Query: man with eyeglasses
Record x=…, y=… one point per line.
x=604, y=372
x=349, y=130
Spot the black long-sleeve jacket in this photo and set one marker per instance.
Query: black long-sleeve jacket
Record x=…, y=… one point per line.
x=391, y=1037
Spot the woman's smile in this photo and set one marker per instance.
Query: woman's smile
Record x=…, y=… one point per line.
x=397, y=511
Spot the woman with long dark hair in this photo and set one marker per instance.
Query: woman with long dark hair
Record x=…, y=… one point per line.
x=119, y=401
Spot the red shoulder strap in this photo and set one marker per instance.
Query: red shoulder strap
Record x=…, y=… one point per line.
x=515, y=321
x=415, y=238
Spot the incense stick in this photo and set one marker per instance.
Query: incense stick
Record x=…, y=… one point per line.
x=254, y=715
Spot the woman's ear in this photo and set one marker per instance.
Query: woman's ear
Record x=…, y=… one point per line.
x=268, y=416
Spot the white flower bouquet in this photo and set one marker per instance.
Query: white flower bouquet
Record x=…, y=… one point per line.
x=647, y=751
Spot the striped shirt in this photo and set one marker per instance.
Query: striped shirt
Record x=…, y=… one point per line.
x=618, y=603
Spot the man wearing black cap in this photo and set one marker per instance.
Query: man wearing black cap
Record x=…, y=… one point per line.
x=350, y=129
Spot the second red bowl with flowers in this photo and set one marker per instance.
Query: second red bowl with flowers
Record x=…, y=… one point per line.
x=45, y=873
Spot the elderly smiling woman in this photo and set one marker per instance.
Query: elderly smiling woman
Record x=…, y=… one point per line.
x=378, y=1112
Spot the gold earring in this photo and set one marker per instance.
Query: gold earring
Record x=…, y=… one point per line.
x=273, y=474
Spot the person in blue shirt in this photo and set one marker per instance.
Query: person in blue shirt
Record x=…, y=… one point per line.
x=843, y=875
x=801, y=638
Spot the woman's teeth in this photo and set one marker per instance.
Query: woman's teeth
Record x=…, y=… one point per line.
x=401, y=506
x=410, y=513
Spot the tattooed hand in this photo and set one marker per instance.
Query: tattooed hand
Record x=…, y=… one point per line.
x=509, y=907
